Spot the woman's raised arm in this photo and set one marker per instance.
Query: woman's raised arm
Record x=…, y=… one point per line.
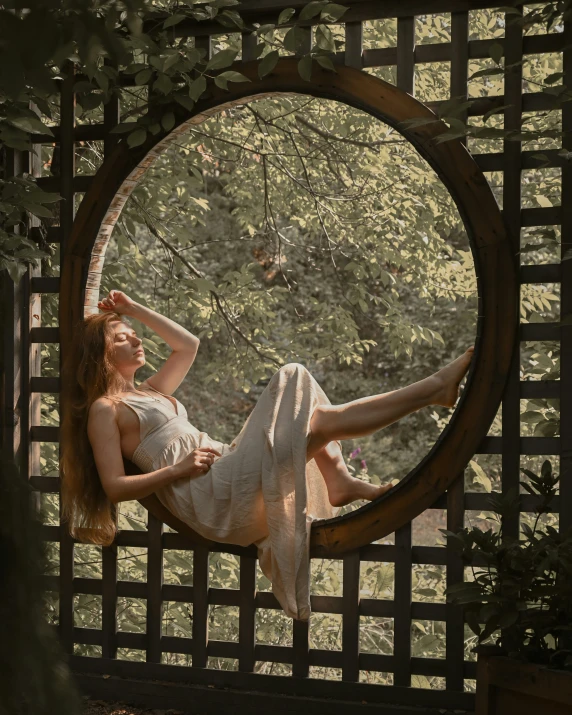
x=184, y=344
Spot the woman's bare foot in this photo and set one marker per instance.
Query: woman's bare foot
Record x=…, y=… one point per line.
x=351, y=489
x=447, y=379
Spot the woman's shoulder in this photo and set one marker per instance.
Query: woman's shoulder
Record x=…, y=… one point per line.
x=104, y=404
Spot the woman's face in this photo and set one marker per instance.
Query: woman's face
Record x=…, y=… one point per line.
x=128, y=351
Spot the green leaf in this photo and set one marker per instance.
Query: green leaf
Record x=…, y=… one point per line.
x=325, y=39
x=173, y=20
x=428, y=592
x=232, y=76
x=134, y=523
x=552, y=78
x=197, y=87
x=29, y=124
x=496, y=52
x=417, y=122
x=224, y=58
x=509, y=618
x=295, y=38
x=221, y=82
x=268, y=63
x=123, y=128
x=46, y=197
x=168, y=121
x=312, y=9
x=144, y=76
x=137, y=137
x=305, y=67
x=495, y=110
x=425, y=643
x=163, y=83
x=16, y=271
x=184, y=101
x=487, y=72
x=285, y=15
x=36, y=209
x=325, y=62
x=203, y=285
x=481, y=477
x=332, y=12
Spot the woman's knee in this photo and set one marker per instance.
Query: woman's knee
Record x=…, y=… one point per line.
x=319, y=423
x=292, y=367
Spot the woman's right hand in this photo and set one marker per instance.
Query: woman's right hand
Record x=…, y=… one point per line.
x=196, y=463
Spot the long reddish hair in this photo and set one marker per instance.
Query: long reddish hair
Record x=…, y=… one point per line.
x=89, y=373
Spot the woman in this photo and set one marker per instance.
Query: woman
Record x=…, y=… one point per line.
x=283, y=471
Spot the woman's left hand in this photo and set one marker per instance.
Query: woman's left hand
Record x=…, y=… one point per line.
x=117, y=302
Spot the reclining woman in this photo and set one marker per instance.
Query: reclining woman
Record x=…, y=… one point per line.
x=283, y=471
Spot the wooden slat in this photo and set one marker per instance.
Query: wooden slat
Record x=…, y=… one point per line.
x=157, y=695
x=45, y=384
x=109, y=601
x=479, y=501
x=402, y=618
x=14, y=319
x=247, y=614
x=532, y=101
x=66, y=189
x=475, y=49
x=45, y=284
x=200, y=606
x=41, y=433
x=33, y=365
x=539, y=216
x=154, y=587
x=79, y=184
x=84, y=132
x=307, y=687
x=300, y=640
x=46, y=485
x=540, y=389
x=52, y=234
x=403, y=540
x=528, y=160
x=354, y=41
x=454, y=626
x=539, y=331
x=203, y=42
x=45, y=335
x=351, y=616
x=111, y=118
x=528, y=445
x=566, y=307
x=249, y=41
x=405, y=49
x=542, y=273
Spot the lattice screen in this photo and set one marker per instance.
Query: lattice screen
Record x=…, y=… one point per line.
x=459, y=44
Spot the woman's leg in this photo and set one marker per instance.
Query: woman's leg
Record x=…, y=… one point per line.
x=367, y=415
x=342, y=487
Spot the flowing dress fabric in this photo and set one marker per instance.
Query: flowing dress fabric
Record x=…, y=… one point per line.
x=260, y=491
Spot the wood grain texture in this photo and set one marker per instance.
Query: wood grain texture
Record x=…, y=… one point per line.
x=497, y=275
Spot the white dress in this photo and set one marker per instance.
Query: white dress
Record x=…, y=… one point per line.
x=260, y=491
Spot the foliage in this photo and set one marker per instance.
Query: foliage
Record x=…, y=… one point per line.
x=522, y=588
x=291, y=223
x=34, y=680
x=98, y=40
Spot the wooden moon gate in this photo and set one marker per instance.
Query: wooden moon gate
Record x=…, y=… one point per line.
x=496, y=270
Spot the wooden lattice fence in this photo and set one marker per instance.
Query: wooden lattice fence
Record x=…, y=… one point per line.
x=24, y=434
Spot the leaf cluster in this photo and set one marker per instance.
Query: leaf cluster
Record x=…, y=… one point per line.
x=521, y=595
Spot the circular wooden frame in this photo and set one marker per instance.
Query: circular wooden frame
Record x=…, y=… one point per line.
x=496, y=269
